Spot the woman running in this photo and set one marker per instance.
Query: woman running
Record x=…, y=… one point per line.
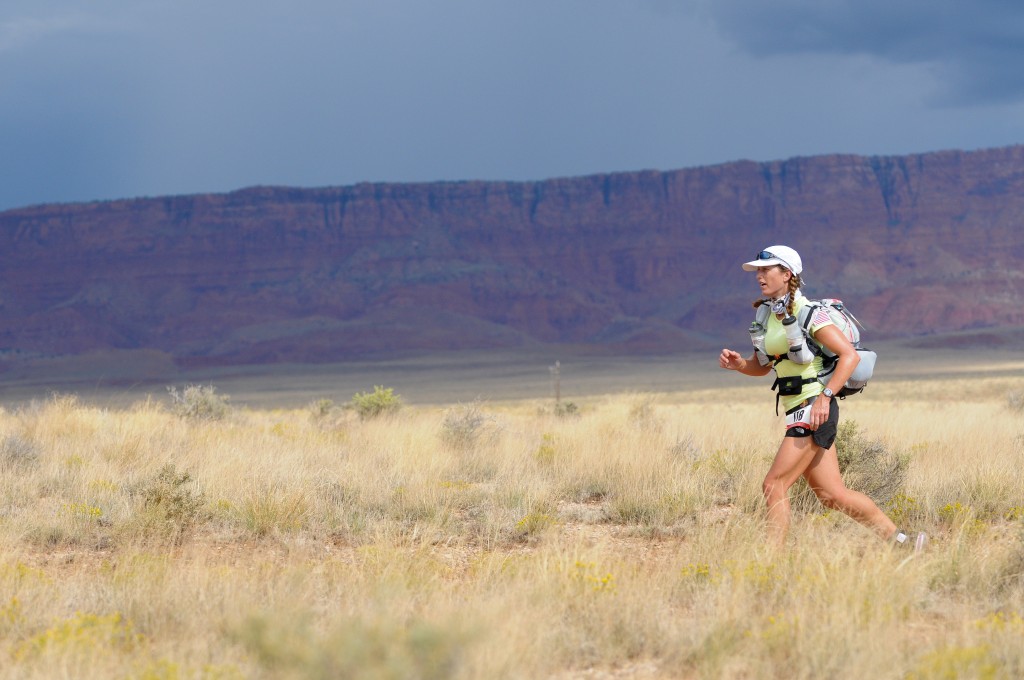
x=812, y=412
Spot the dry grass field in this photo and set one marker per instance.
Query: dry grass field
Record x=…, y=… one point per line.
x=287, y=537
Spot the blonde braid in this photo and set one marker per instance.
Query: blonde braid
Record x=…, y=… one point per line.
x=794, y=284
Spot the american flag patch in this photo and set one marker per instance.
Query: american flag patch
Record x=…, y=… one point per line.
x=820, y=317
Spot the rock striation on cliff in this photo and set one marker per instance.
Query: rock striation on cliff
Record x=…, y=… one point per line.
x=635, y=262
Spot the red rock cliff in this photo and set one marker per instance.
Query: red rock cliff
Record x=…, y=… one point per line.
x=645, y=261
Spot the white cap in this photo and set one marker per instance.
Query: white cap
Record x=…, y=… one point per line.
x=772, y=255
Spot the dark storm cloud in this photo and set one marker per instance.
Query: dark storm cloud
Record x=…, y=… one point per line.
x=118, y=98
x=975, y=49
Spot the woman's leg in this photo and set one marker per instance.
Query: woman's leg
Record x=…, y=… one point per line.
x=794, y=456
x=824, y=479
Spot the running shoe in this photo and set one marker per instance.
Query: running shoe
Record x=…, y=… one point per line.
x=918, y=543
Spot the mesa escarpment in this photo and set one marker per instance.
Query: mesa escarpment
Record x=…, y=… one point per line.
x=644, y=261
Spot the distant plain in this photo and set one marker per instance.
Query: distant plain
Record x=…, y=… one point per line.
x=118, y=379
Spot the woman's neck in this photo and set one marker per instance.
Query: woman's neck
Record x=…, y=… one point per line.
x=781, y=294
x=781, y=301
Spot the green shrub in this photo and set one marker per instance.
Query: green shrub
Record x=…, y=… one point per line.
x=532, y=524
x=560, y=409
x=382, y=401
x=199, y=402
x=545, y=453
x=903, y=509
x=566, y=409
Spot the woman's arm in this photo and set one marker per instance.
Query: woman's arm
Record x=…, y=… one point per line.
x=832, y=338
x=733, y=361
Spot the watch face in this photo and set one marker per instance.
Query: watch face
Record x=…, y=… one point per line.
x=827, y=392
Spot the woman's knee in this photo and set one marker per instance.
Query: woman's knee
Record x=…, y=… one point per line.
x=773, y=486
x=833, y=499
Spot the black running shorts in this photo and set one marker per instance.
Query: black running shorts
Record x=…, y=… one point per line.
x=825, y=435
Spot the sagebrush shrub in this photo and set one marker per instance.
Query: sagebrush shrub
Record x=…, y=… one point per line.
x=199, y=402
x=18, y=452
x=643, y=414
x=467, y=425
x=171, y=503
x=687, y=448
x=867, y=465
x=319, y=409
x=174, y=493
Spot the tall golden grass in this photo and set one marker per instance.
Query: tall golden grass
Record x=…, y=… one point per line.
x=500, y=541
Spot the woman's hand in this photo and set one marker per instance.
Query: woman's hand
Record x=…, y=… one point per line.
x=731, y=360
x=819, y=411
x=734, y=361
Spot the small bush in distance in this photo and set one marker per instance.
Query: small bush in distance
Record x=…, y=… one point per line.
x=320, y=409
x=382, y=401
x=560, y=409
x=566, y=409
x=466, y=425
x=531, y=525
x=18, y=452
x=199, y=402
x=687, y=448
x=643, y=415
x=326, y=414
x=171, y=503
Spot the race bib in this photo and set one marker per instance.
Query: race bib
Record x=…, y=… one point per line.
x=799, y=418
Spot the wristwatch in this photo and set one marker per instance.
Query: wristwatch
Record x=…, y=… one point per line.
x=828, y=392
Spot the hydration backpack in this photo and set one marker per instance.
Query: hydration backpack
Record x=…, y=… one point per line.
x=847, y=324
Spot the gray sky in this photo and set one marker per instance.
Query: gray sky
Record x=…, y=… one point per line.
x=121, y=98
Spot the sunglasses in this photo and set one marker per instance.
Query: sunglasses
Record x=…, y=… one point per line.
x=768, y=255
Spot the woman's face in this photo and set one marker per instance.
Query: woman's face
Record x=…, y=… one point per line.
x=774, y=280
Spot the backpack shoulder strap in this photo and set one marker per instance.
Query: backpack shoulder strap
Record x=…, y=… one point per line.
x=761, y=315
x=804, y=316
